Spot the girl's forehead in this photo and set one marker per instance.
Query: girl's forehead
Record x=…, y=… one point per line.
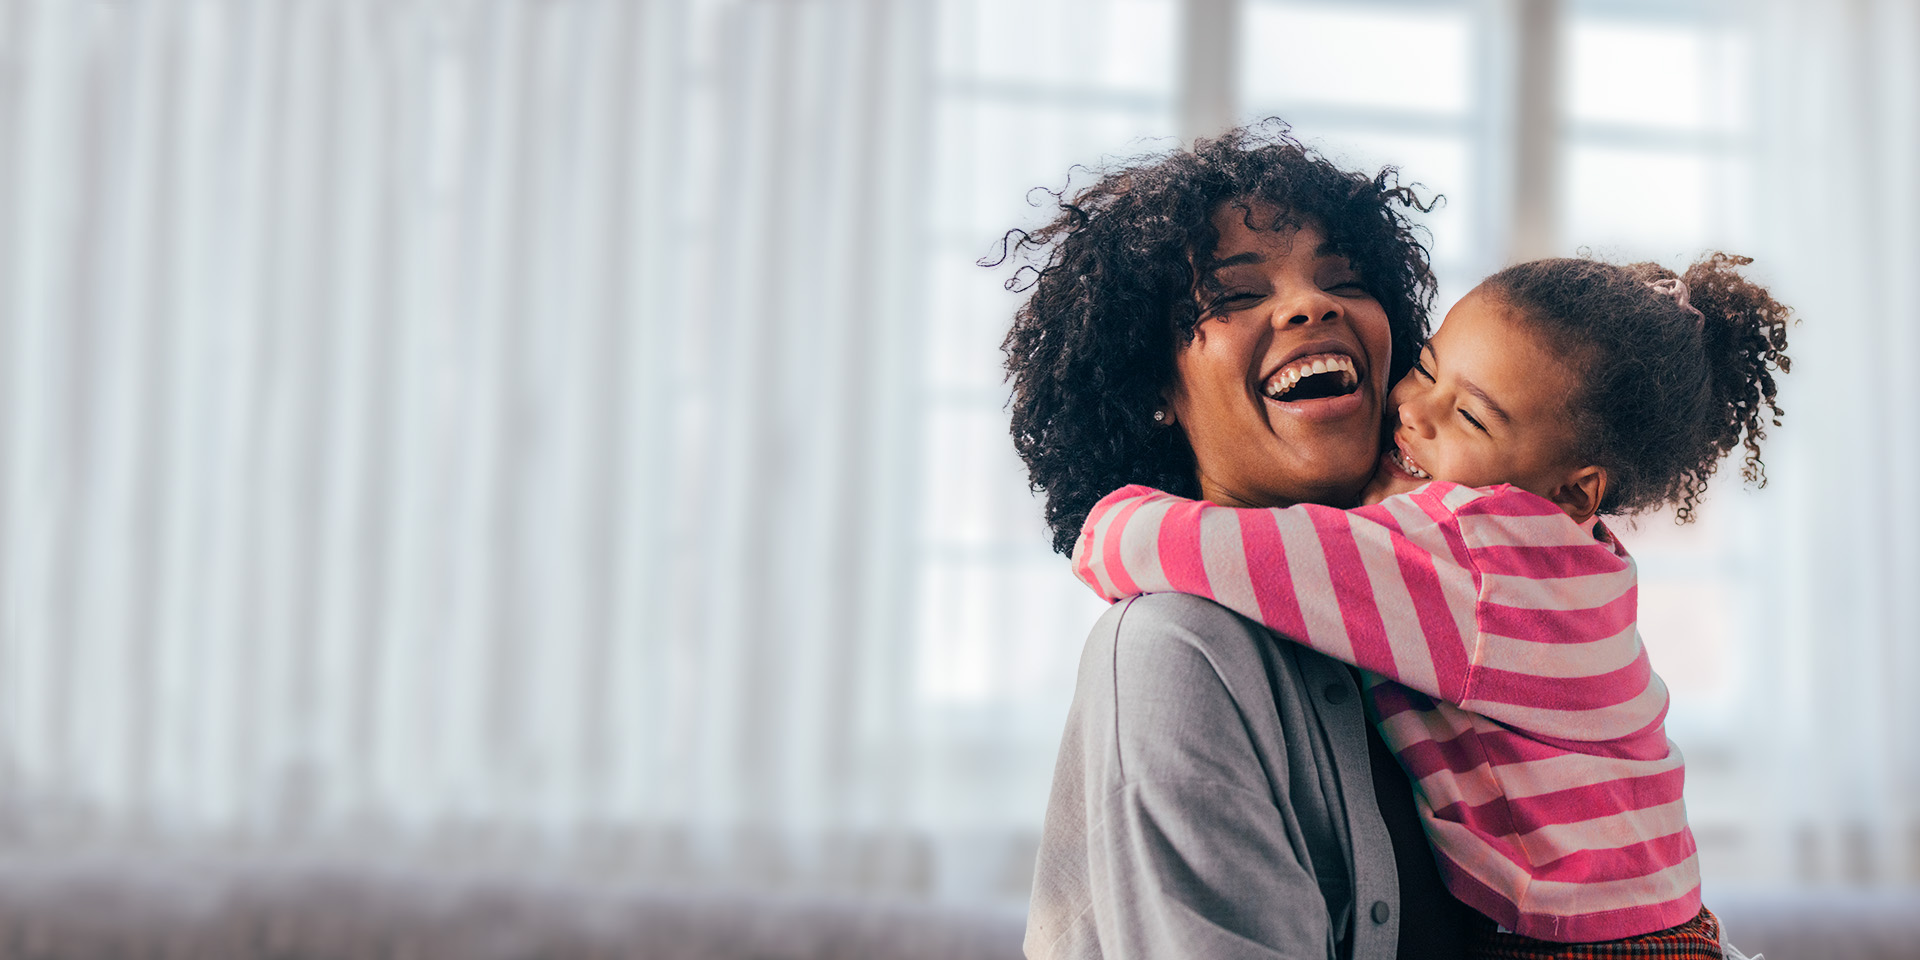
x=1488, y=344
x=1483, y=312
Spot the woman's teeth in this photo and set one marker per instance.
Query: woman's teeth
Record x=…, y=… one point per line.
x=1289, y=377
x=1400, y=458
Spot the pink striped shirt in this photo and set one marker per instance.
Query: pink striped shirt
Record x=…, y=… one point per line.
x=1506, y=673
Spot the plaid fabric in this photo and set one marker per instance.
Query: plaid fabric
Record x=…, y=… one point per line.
x=1697, y=939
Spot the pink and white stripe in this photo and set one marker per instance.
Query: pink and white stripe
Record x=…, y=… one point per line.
x=1507, y=676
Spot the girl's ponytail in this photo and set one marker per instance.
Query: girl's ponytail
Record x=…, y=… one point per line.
x=1744, y=333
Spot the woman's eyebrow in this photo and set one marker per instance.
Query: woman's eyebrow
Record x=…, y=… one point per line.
x=1327, y=251
x=1236, y=260
x=1210, y=278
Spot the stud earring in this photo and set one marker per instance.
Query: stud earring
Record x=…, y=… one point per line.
x=1159, y=416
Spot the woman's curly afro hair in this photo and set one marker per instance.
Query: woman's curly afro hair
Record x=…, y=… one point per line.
x=1113, y=296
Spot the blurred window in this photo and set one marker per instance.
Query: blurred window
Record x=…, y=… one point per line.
x=1377, y=84
x=1656, y=166
x=1023, y=93
x=1656, y=126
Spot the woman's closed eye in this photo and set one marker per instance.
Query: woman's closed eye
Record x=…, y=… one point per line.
x=1230, y=301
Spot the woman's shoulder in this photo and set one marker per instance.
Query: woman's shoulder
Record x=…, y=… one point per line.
x=1180, y=670
x=1170, y=635
x=1161, y=640
x=1176, y=613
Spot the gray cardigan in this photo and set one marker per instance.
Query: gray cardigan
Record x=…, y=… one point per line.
x=1212, y=799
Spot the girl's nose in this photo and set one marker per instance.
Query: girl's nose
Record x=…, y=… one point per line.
x=1408, y=419
x=1413, y=415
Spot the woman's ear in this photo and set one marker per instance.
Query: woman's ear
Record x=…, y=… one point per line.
x=1164, y=415
x=1580, y=494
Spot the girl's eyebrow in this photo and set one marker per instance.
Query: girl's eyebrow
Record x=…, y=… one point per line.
x=1499, y=413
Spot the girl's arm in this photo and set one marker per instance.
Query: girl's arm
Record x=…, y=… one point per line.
x=1488, y=599
x=1387, y=587
x=1471, y=596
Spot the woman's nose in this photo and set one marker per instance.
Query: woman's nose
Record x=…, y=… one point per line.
x=1304, y=313
x=1306, y=305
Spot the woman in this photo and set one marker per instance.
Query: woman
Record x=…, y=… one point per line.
x=1219, y=792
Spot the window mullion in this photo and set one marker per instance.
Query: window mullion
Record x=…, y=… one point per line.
x=1209, y=67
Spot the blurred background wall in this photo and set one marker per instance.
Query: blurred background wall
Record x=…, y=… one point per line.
x=569, y=434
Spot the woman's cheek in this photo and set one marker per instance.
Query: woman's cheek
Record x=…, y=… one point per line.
x=1380, y=343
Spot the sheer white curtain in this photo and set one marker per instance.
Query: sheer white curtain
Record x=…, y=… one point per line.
x=1834, y=723
x=570, y=430
x=484, y=430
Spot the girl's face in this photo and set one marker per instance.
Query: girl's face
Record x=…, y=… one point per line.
x=1281, y=389
x=1486, y=403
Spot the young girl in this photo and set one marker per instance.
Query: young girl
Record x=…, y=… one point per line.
x=1479, y=587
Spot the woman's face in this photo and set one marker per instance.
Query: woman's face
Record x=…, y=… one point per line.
x=1281, y=388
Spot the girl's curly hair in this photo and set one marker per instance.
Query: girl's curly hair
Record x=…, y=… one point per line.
x=1113, y=290
x=1665, y=393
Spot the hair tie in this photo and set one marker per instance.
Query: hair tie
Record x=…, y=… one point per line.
x=1677, y=289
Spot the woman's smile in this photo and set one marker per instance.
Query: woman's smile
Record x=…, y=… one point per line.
x=1319, y=380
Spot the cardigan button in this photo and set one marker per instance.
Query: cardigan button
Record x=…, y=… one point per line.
x=1381, y=911
x=1335, y=693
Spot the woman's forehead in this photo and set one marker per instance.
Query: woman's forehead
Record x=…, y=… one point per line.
x=1257, y=217
x=1264, y=241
